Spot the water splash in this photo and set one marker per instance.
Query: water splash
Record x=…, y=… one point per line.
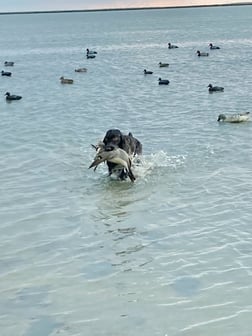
x=147, y=163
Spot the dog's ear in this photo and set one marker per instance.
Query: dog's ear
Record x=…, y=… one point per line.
x=105, y=140
x=107, y=137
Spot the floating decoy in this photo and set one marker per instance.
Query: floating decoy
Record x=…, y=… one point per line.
x=81, y=70
x=199, y=53
x=6, y=63
x=91, y=52
x=66, y=80
x=172, y=46
x=6, y=73
x=163, y=81
x=235, y=118
x=12, y=97
x=148, y=72
x=213, y=47
x=162, y=65
x=212, y=88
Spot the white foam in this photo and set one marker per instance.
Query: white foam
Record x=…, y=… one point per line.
x=145, y=164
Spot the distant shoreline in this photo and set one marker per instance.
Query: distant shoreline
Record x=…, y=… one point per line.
x=124, y=9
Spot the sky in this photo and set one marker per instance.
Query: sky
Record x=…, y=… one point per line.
x=47, y=5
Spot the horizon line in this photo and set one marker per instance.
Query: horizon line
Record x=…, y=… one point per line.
x=124, y=9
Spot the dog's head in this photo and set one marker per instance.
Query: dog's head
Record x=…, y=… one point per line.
x=113, y=137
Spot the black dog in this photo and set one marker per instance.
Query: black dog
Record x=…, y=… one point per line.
x=131, y=145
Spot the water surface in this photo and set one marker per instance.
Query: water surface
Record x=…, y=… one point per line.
x=85, y=254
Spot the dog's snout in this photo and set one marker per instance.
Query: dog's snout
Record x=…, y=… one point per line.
x=109, y=147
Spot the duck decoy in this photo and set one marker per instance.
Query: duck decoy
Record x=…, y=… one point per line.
x=91, y=52
x=235, y=118
x=212, y=88
x=66, y=80
x=6, y=63
x=199, y=53
x=12, y=97
x=163, y=65
x=163, y=81
x=172, y=46
x=81, y=70
x=6, y=73
x=211, y=46
x=146, y=72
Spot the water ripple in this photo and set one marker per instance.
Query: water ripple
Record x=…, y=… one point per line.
x=82, y=253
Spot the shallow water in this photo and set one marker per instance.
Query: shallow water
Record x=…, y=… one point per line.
x=82, y=253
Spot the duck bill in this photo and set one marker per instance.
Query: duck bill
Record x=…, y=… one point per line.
x=96, y=162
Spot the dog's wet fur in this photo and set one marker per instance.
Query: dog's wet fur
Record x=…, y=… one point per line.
x=132, y=146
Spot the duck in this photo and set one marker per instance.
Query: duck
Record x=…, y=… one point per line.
x=212, y=88
x=146, y=72
x=163, y=81
x=12, y=97
x=172, y=46
x=235, y=118
x=6, y=63
x=66, y=80
x=162, y=65
x=6, y=73
x=115, y=155
x=81, y=70
x=91, y=52
x=199, y=53
x=211, y=46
